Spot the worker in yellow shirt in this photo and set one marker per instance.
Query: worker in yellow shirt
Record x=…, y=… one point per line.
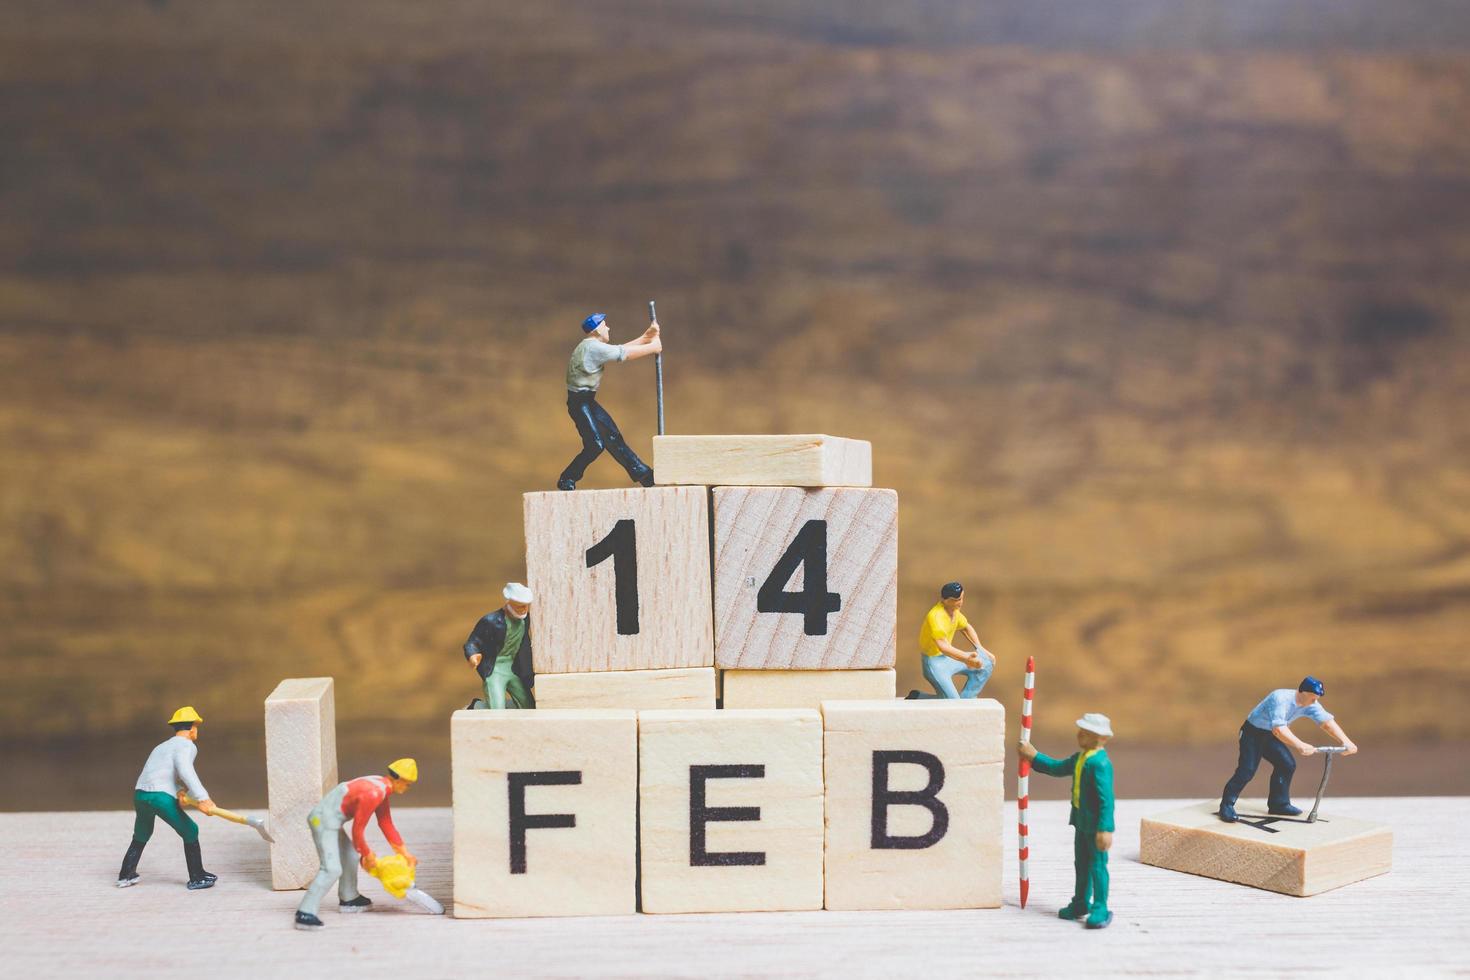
x=942, y=660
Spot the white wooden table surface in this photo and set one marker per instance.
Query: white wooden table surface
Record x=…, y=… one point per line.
x=62, y=914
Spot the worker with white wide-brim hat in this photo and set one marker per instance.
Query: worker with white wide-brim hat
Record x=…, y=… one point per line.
x=499, y=649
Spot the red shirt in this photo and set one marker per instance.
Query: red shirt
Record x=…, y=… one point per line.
x=365, y=796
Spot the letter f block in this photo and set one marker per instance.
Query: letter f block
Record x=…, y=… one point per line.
x=545, y=812
x=915, y=794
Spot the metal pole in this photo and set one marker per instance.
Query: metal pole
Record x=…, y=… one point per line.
x=658, y=373
x=1329, y=751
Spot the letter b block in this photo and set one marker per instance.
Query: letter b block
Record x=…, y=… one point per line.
x=914, y=801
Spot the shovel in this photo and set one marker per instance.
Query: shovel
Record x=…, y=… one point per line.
x=239, y=818
x=1329, y=751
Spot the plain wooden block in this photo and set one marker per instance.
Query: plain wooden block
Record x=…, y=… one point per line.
x=641, y=601
x=730, y=810
x=1286, y=855
x=763, y=461
x=300, y=768
x=674, y=687
x=545, y=812
x=931, y=837
x=773, y=547
x=805, y=688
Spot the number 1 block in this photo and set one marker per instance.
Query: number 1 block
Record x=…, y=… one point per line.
x=805, y=579
x=621, y=579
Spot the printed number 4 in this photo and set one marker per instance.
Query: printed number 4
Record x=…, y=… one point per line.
x=814, y=602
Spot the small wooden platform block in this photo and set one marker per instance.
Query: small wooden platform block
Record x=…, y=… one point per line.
x=621, y=579
x=730, y=810
x=805, y=579
x=763, y=461
x=300, y=768
x=915, y=801
x=545, y=812
x=674, y=687
x=805, y=688
x=1280, y=854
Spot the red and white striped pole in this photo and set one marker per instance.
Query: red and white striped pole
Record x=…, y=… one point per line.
x=1023, y=780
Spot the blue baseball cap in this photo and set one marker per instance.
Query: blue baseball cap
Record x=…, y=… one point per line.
x=1311, y=685
x=593, y=322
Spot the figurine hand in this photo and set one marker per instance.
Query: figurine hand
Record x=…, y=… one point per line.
x=657, y=345
x=1307, y=750
x=369, y=862
x=1350, y=747
x=206, y=807
x=475, y=659
x=1104, y=840
x=652, y=330
x=412, y=861
x=974, y=662
x=1026, y=750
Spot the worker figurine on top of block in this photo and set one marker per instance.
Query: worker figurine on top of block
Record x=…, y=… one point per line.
x=594, y=425
x=942, y=661
x=1266, y=734
x=168, y=780
x=1092, y=815
x=499, y=649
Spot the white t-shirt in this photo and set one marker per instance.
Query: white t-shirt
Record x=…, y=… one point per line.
x=584, y=370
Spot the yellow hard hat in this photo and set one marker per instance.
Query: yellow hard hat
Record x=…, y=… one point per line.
x=186, y=713
x=405, y=769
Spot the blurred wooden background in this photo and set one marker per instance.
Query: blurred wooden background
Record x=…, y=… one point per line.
x=1155, y=312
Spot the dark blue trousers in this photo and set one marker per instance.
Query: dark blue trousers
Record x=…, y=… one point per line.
x=1257, y=744
x=599, y=432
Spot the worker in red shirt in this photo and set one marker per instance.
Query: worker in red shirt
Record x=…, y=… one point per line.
x=353, y=801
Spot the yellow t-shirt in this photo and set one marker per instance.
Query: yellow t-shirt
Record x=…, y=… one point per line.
x=938, y=625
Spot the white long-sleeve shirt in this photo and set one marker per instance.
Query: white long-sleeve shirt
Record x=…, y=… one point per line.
x=170, y=766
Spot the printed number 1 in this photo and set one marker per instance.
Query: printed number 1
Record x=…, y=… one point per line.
x=622, y=545
x=814, y=602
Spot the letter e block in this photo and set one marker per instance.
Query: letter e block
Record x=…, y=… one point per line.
x=300, y=768
x=545, y=812
x=914, y=803
x=730, y=810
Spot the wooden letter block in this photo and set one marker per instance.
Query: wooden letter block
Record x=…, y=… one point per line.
x=300, y=768
x=730, y=810
x=675, y=687
x=1280, y=854
x=621, y=579
x=914, y=803
x=805, y=688
x=763, y=461
x=545, y=812
x=805, y=579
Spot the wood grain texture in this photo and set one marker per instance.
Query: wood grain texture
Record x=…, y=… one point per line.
x=672, y=687
x=301, y=766
x=754, y=527
x=802, y=688
x=576, y=625
x=1288, y=856
x=763, y=460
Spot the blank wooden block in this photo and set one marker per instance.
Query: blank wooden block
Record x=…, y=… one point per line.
x=773, y=548
x=932, y=838
x=545, y=812
x=730, y=810
x=805, y=688
x=621, y=579
x=675, y=687
x=763, y=461
x=300, y=768
x=1286, y=855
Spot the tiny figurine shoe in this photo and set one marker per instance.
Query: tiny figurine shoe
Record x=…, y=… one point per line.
x=305, y=920
x=474, y=703
x=198, y=884
x=1284, y=811
x=566, y=485
x=359, y=904
x=911, y=696
x=1070, y=913
x=1227, y=812
x=1096, y=921
x=646, y=480
x=127, y=881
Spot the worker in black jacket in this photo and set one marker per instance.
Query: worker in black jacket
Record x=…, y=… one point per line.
x=500, y=650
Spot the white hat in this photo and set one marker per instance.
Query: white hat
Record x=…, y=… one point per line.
x=516, y=592
x=1096, y=723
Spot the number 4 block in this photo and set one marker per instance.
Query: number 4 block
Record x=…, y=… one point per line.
x=805, y=579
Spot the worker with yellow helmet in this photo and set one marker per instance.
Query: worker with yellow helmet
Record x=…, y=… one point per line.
x=167, y=776
x=352, y=802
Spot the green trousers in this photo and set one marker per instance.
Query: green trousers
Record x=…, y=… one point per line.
x=1092, y=874
x=503, y=680
x=150, y=806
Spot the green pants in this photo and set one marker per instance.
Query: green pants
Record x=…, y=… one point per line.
x=1092, y=873
x=149, y=806
x=503, y=679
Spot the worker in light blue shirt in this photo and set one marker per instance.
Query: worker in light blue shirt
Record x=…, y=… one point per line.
x=1267, y=735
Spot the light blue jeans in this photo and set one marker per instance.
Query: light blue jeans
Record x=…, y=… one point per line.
x=940, y=672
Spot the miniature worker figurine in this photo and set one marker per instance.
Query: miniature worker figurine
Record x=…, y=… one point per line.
x=1266, y=734
x=1092, y=815
x=168, y=778
x=499, y=648
x=354, y=801
x=941, y=659
x=594, y=425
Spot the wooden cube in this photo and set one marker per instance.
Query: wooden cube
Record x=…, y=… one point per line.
x=545, y=812
x=914, y=803
x=1279, y=854
x=675, y=687
x=805, y=579
x=763, y=461
x=300, y=768
x=805, y=688
x=730, y=810
x=621, y=579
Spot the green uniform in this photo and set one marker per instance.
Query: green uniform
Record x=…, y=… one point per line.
x=1092, y=811
x=503, y=678
x=148, y=807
